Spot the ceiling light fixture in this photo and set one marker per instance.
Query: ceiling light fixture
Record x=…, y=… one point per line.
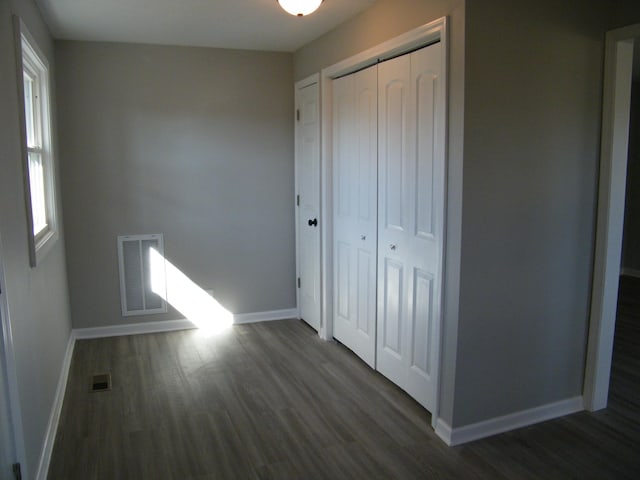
x=300, y=8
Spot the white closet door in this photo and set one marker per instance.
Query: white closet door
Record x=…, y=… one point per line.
x=308, y=183
x=355, y=216
x=393, y=216
x=410, y=219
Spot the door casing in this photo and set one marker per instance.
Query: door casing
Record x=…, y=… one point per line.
x=12, y=438
x=610, y=218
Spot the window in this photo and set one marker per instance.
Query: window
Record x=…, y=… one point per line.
x=40, y=184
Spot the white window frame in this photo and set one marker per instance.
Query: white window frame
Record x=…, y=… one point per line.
x=38, y=158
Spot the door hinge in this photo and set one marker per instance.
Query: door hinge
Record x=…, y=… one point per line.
x=16, y=471
x=299, y=282
x=298, y=200
x=298, y=115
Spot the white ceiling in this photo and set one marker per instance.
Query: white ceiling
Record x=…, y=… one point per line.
x=242, y=24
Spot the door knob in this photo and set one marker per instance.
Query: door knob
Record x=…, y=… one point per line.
x=313, y=223
x=363, y=237
x=393, y=246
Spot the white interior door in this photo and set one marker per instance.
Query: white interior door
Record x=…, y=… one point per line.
x=308, y=201
x=410, y=220
x=355, y=211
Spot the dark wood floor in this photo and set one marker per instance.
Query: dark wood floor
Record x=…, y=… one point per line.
x=272, y=401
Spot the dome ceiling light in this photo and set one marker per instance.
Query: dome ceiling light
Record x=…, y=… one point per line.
x=300, y=8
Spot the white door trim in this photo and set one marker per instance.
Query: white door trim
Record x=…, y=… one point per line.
x=611, y=198
x=419, y=37
x=8, y=363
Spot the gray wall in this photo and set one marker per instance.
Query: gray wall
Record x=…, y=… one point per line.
x=194, y=143
x=532, y=128
x=384, y=20
x=531, y=77
x=37, y=298
x=631, y=238
x=387, y=19
x=623, y=13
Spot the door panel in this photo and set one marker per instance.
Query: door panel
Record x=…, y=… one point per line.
x=366, y=292
x=355, y=210
x=394, y=184
x=308, y=182
x=343, y=99
x=426, y=88
x=411, y=189
x=367, y=150
x=392, y=301
x=426, y=243
x=343, y=133
x=394, y=145
x=343, y=282
x=421, y=321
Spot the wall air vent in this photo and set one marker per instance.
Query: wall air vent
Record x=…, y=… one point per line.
x=136, y=294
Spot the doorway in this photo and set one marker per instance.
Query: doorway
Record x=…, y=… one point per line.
x=307, y=201
x=388, y=191
x=619, y=59
x=9, y=419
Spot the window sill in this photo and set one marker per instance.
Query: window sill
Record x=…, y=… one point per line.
x=42, y=247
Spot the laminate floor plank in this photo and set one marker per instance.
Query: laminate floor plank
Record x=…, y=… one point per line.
x=272, y=401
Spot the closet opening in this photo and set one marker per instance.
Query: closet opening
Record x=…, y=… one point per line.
x=383, y=207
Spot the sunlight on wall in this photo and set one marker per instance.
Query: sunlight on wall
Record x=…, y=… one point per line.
x=182, y=293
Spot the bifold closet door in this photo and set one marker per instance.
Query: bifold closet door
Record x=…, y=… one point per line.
x=410, y=220
x=355, y=215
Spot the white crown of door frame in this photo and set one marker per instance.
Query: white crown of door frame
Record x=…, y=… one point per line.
x=610, y=221
x=430, y=33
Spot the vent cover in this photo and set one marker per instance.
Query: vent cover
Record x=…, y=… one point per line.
x=136, y=294
x=100, y=383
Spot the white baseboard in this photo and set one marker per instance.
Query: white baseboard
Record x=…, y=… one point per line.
x=443, y=430
x=630, y=272
x=56, y=410
x=493, y=426
x=181, y=324
x=133, y=329
x=265, y=316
